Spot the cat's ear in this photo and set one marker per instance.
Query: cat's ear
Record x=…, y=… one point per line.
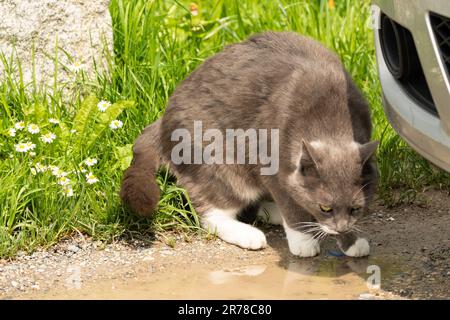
x=367, y=150
x=308, y=160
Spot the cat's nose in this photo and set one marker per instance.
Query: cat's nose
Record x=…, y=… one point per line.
x=342, y=226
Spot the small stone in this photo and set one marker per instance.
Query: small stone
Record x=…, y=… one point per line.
x=390, y=219
x=366, y=296
x=73, y=248
x=15, y=284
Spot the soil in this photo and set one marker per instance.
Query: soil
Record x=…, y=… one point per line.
x=410, y=245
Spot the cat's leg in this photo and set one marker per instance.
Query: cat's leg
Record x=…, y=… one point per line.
x=353, y=246
x=300, y=243
x=224, y=223
x=269, y=212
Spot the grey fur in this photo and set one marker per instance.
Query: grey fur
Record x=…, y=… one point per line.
x=274, y=80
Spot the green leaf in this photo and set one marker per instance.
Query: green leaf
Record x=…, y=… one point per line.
x=124, y=155
x=40, y=113
x=81, y=120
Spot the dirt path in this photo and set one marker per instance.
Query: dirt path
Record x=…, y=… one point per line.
x=410, y=245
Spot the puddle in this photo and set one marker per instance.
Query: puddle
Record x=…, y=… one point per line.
x=321, y=278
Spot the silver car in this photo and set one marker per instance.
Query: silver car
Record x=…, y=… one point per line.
x=412, y=39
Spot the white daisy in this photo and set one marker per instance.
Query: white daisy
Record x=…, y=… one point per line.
x=90, y=162
x=30, y=146
x=90, y=178
x=103, y=105
x=68, y=191
x=53, y=168
x=48, y=137
x=77, y=66
x=21, y=147
x=33, y=128
x=20, y=125
x=39, y=167
x=116, y=124
x=53, y=121
x=59, y=173
x=64, y=181
x=12, y=132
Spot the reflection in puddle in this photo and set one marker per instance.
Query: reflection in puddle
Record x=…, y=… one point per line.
x=321, y=278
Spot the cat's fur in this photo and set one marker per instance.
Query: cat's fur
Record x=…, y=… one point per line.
x=273, y=80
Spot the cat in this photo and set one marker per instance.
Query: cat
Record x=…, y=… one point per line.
x=327, y=171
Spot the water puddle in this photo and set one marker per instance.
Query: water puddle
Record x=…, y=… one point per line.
x=321, y=278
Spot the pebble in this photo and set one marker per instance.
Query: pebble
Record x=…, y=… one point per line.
x=366, y=296
x=73, y=248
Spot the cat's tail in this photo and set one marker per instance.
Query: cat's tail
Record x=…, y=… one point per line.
x=139, y=190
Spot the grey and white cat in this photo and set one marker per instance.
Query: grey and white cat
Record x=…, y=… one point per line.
x=327, y=173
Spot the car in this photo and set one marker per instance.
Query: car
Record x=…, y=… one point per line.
x=412, y=40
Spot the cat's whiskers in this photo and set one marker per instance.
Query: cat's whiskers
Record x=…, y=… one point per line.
x=357, y=229
x=360, y=189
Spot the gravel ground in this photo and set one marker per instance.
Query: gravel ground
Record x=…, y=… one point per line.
x=410, y=243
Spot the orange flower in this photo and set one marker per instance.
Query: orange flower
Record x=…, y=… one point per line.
x=331, y=4
x=193, y=8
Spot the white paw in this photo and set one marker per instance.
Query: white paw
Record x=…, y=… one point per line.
x=307, y=248
x=360, y=248
x=301, y=244
x=245, y=236
x=230, y=230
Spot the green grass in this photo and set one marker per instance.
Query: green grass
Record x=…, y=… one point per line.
x=156, y=45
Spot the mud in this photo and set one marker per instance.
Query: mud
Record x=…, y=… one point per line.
x=410, y=258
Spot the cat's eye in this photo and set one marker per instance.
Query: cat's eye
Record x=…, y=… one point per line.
x=325, y=208
x=355, y=210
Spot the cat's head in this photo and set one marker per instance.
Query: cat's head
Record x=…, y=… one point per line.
x=335, y=183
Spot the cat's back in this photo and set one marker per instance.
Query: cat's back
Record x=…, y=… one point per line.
x=245, y=75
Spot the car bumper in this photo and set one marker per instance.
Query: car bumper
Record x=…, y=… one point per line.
x=427, y=133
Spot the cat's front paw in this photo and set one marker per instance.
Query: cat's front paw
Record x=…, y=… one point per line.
x=301, y=244
x=360, y=248
x=304, y=248
x=245, y=236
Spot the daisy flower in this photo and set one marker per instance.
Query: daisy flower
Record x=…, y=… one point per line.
x=20, y=125
x=103, y=105
x=12, y=132
x=82, y=170
x=39, y=167
x=116, y=124
x=30, y=146
x=21, y=147
x=59, y=173
x=77, y=66
x=48, y=137
x=90, y=178
x=63, y=181
x=33, y=128
x=53, y=168
x=53, y=121
x=68, y=191
x=90, y=162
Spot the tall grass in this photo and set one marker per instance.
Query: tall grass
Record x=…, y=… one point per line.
x=156, y=45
